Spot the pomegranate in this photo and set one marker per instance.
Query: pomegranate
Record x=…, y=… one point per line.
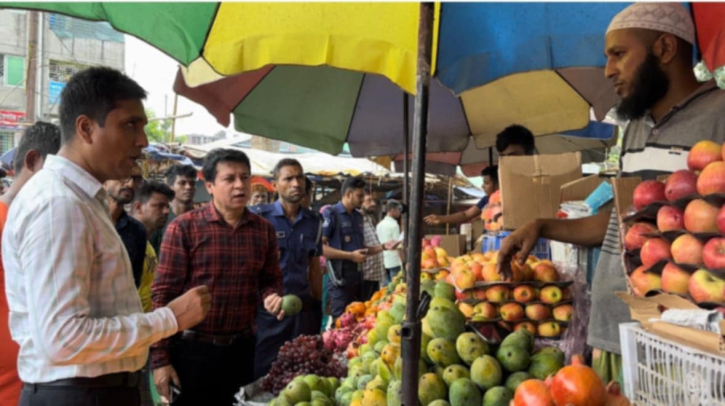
x=532, y=392
x=578, y=385
x=614, y=396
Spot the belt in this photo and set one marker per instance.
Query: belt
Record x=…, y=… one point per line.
x=121, y=379
x=220, y=340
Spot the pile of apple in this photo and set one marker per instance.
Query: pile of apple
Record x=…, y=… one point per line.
x=492, y=214
x=683, y=252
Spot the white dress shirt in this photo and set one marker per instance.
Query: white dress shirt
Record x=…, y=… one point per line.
x=388, y=229
x=74, y=309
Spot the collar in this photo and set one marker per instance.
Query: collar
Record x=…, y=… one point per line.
x=211, y=214
x=706, y=87
x=278, y=211
x=76, y=175
x=341, y=209
x=123, y=220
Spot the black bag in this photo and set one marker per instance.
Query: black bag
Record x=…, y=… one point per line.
x=343, y=273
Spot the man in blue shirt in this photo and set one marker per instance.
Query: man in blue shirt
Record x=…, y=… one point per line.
x=490, y=185
x=344, y=246
x=299, y=238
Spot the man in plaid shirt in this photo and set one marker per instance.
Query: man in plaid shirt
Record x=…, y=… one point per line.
x=234, y=252
x=373, y=267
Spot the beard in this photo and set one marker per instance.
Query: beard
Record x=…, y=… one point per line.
x=650, y=84
x=123, y=199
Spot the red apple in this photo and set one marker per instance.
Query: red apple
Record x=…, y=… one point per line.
x=713, y=254
x=538, y=312
x=712, y=179
x=546, y=272
x=524, y=293
x=512, y=312
x=705, y=287
x=680, y=184
x=674, y=279
x=655, y=250
x=687, y=249
x=702, y=153
x=648, y=192
x=701, y=217
x=643, y=282
x=721, y=220
x=670, y=218
x=634, y=238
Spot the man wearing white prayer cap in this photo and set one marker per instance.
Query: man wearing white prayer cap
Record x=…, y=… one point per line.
x=649, y=49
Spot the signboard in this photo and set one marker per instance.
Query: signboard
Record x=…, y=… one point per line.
x=9, y=118
x=54, y=90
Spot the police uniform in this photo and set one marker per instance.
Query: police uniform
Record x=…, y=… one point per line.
x=344, y=231
x=298, y=243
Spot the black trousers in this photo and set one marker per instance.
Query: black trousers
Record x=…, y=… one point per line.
x=211, y=374
x=79, y=396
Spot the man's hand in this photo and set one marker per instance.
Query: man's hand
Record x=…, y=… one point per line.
x=432, y=220
x=162, y=377
x=391, y=245
x=359, y=256
x=191, y=307
x=521, y=242
x=273, y=304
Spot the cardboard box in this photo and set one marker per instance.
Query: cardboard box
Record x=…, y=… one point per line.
x=455, y=244
x=644, y=309
x=477, y=228
x=531, y=185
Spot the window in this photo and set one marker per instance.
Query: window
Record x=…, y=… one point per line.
x=61, y=71
x=7, y=141
x=12, y=70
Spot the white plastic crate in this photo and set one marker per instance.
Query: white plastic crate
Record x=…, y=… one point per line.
x=658, y=371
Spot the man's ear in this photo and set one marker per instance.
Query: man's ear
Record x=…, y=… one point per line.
x=84, y=128
x=136, y=206
x=32, y=160
x=665, y=48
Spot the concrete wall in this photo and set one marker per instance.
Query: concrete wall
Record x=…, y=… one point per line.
x=13, y=41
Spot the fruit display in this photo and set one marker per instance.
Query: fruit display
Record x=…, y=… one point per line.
x=311, y=389
x=572, y=385
x=492, y=214
x=675, y=240
x=301, y=356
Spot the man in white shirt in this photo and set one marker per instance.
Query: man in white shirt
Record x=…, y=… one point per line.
x=389, y=229
x=74, y=309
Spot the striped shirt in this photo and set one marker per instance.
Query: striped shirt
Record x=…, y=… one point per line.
x=73, y=304
x=649, y=150
x=373, y=269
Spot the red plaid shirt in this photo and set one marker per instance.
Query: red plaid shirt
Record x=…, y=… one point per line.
x=240, y=265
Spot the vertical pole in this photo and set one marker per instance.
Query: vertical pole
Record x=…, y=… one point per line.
x=32, y=72
x=490, y=156
x=406, y=171
x=411, y=333
x=173, y=120
x=450, y=201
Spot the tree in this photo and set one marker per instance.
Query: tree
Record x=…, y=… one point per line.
x=157, y=130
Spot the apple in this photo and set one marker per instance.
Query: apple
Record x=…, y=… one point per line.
x=550, y=294
x=643, y=282
x=461, y=295
x=465, y=279
x=436, y=241
x=527, y=273
x=497, y=294
x=527, y=325
x=442, y=262
x=429, y=263
x=687, y=249
x=479, y=257
x=538, y=312
x=648, y=192
x=702, y=153
x=713, y=254
x=563, y=312
x=466, y=309
x=512, y=312
x=701, y=217
x=428, y=252
x=546, y=272
x=549, y=329
x=712, y=179
x=706, y=287
x=442, y=275
x=670, y=218
x=634, y=238
x=655, y=250
x=674, y=279
x=490, y=273
x=425, y=243
x=721, y=220
x=680, y=184
x=517, y=274
x=486, y=310
x=477, y=269
x=524, y=293
x=479, y=293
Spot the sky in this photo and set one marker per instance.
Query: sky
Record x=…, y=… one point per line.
x=156, y=72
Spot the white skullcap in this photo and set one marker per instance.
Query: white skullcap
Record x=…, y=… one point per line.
x=671, y=18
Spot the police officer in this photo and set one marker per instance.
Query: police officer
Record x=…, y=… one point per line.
x=299, y=235
x=344, y=246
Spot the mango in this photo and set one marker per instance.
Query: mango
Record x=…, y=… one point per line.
x=470, y=346
x=463, y=392
x=442, y=352
x=430, y=388
x=486, y=372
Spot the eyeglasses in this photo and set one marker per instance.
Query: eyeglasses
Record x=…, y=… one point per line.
x=137, y=179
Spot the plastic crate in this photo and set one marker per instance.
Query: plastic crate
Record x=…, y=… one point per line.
x=492, y=242
x=658, y=371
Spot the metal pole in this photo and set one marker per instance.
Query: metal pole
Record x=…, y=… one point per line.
x=411, y=333
x=32, y=74
x=406, y=171
x=173, y=121
x=490, y=156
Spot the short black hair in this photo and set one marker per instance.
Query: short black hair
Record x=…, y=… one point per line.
x=177, y=170
x=308, y=185
x=149, y=188
x=283, y=163
x=516, y=135
x=222, y=155
x=492, y=172
x=42, y=137
x=94, y=92
x=352, y=182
